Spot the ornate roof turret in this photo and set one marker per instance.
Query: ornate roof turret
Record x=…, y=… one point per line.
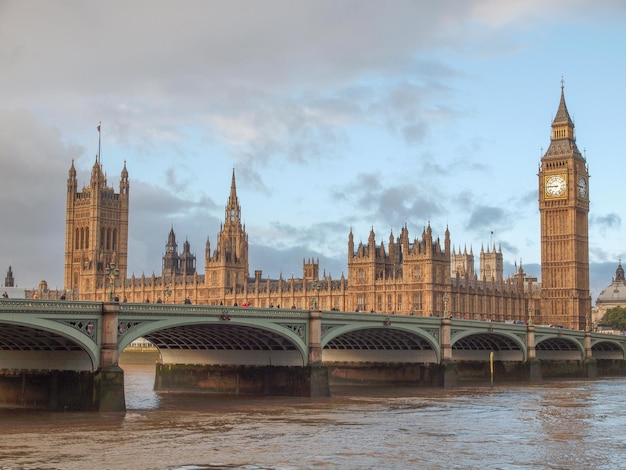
x=171, y=241
x=124, y=180
x=97, y=175
x=563, y=139
x=72, y=172
x=619, y=273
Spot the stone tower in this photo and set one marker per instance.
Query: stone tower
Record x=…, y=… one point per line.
x=175, y=264
x=491, y=264
x=96, y=231
x=9, y=281
x=171, y=260
x=564, y=211
x=462, y=263
x=226, y=269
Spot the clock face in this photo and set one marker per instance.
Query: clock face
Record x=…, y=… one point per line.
x=555, y=185
x=582, y=186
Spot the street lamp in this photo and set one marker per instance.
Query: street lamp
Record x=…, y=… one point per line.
x=530, y=316
x=316, y=288
x=446, y=299
x=112, y=273
x=167, y=291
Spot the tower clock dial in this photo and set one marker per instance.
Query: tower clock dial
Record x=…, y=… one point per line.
x=555, y=185
x=582, y=186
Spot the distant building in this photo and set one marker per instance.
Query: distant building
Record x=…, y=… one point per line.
x=614, y=295
x=9, y=290
x=8, y=280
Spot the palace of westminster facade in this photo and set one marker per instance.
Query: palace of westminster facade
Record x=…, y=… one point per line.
x=423, y=276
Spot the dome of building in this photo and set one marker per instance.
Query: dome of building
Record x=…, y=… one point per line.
x=615, y=293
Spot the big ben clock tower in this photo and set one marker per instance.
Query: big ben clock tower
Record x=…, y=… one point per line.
x=564, y=209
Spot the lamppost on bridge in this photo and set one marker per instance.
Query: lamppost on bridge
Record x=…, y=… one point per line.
x=112, y=273
x=446, y=299
x=316, y=289
x=167, y=291
x=530, y=316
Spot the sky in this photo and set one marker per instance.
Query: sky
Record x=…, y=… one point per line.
x=336, y=116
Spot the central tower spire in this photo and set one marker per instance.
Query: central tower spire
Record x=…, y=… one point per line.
x=233, y=210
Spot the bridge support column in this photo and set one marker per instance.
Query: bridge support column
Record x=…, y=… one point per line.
x=315, y=337
x=109, y=378
x=449, y=374
x=531, y=353
x=449, y=368
x=446, y=347
x=533, y=364
x=592, y=368
x=319, y=373
x=109, y=390
x=534, y=370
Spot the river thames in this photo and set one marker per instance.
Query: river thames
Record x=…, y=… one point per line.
x=555, y=425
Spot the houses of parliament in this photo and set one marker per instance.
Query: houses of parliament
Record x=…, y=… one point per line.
x=406, y=276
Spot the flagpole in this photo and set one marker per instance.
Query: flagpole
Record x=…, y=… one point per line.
x=99, y=143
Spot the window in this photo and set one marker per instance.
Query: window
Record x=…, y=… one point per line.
x=417, y=302
x=360, y=302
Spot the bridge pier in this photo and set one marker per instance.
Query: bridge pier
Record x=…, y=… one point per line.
x=109, y=378
x=319, y=381
x=534, y=370
x=449, y=374
x=56, y=390
x=311, y=381
x=591, y=365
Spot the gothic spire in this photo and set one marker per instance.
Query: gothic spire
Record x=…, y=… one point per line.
x=233, y=210
x=562, y=117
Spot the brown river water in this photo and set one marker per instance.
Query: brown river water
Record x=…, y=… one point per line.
x=555, y=425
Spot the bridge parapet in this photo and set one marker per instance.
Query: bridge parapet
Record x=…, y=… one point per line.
x=29, y=306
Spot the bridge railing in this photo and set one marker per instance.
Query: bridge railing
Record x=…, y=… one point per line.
x=192, y=309
x=48, y=306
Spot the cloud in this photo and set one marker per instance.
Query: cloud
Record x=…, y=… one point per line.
x=606, y=223
x=34, y=164
x=484, y=219
x=186, y=91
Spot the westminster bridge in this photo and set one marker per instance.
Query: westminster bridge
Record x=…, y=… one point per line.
x=64, y=354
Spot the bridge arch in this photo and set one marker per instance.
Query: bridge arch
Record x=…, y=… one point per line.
x=222, y=339
x=27, y=345
x=372, y=342
x=477, y=345
x=556, y=346
x=608, y=348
